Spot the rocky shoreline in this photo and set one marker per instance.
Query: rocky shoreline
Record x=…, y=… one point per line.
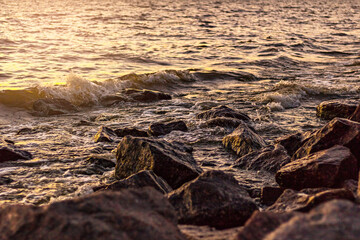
x=159, y=191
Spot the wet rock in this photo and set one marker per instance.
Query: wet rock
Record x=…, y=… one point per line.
x=351, y=185
x=5, y=180
x=157, y=129
x=337, y=219
x=331, y=109
x=122, y=132
x=53, y=106
x=327, y=168
x=100, y=161
x=243, y=140
x=308, y=198
x=263, y=223
x=9, y=152
x=356, y=115
x=214, y=199
x=222, y=122
x=111, y=100
x=141, y=179
x=222, y=111
x=104, y=134
x=338, y=131
x=128, y=214
x=145, y=95
x=171, y=161
x=270, y=194
x=270, y=159
x=293, y=142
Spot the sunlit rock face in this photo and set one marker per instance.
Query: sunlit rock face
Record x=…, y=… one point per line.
x=327, y=168
x=129, y=214
x=331, y=109
x=171, y=161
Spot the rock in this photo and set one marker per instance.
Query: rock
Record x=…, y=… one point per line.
x=104, y=134
x=338, y=131
x=331, y=109
x=157, y=129
x=171, y=161
x=270, y=159
x=262, y=223
x=141, y=179
x=243, y=140
x=356, y=115
x=122, y=132
x=53, y=106
x=100, y=161
x=327, y=168
x=214, y=199
x=111, y=100
x=145, y=95
x=9, y=152
x=351, y=185
x=293, y=142
x=337, y=219
x=222, y=111
x=128, y=214
x=222, y=122
x=308, y=198
x=270, y=194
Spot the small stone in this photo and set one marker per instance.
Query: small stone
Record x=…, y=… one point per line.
x=157, y=129
x=122, y=132
x=104, y=134
x=222, y=111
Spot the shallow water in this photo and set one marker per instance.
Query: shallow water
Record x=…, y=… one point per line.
x=301, y=52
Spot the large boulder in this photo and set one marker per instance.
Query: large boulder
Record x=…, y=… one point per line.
x=53, y=106
x=331, y=109
x=337, y=219
x=145, y=95
x=129, y=214
x=270, y=159
x=243, y=140
x=222, y=111
x=308, y=198
x=171, y=161
x=338, y=131
x=141, y=179
x=327, y=168
x=262, y=223
x=214, y=199
x=9, y=152
x=157, y=129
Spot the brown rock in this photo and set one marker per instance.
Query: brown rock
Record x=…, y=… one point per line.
x=171, y=161
x=214, y=199
x=307, y=199
x=331, y=109
x=222, y=111
x=141, y=179
x=104, y=134
x=293, y=142
x=157, y=129
x=111, y=100
x=222, y=122
x=327, y=168
x=269, y=159
x=145, y=95
x=129, y=214
x=337, y=219
x=269, y=194
x=243, y=140
x=262, y=223
x=9, y=152
x=193, y=232
x=122, y=132
x=338, y=131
